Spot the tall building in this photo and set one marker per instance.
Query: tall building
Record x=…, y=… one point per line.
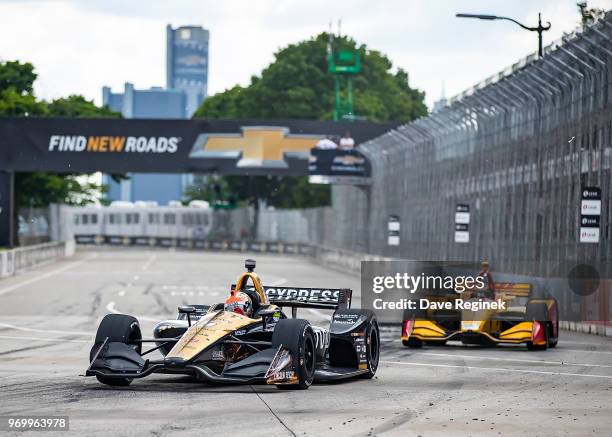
x=187, y=63
x=442, y=102
x=155, y=102
x=186, y=89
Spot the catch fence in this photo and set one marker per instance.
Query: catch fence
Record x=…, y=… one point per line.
x=517, y=149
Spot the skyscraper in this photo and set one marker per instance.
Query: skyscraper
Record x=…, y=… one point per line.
x=187, y=63
x=186, y=89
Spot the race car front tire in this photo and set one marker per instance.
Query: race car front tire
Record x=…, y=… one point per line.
x=119, y=328
x=373, y=346
x=297, y=336
x=553, y=342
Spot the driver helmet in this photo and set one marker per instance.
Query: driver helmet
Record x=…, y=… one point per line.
x=239, y=302
x=485, y=280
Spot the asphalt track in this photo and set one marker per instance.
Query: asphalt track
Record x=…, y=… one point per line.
x=48, y=317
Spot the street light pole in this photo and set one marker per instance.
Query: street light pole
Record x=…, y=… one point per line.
x=540, y=29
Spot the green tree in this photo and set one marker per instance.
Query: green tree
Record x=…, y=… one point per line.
x=14, y=104
x=79, y=107
x=279, y=191
x=38, y=189
x=296, y=85
x=20, y=77
x=16, y=82
x=589, y=15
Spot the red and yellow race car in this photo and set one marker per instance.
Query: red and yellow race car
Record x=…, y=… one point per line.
x=524, y=319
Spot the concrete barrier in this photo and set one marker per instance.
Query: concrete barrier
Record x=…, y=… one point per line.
x=24, y=258
x=342, y=259
x=604, y=329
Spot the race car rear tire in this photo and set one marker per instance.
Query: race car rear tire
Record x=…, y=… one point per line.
x=554, y=340
x=373, y=348
x=297, y=336
x=119, y=328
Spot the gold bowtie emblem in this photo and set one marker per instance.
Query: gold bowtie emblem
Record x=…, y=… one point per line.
x=256, y=146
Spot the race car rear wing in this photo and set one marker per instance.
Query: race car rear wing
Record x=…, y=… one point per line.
x=515, y=289
x=302, y=297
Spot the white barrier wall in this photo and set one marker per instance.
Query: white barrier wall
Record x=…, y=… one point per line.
x=24, y=258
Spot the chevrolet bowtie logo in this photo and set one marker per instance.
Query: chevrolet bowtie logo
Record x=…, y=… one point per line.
x=257, y=146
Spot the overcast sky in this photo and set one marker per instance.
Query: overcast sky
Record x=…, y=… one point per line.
x=79, y=46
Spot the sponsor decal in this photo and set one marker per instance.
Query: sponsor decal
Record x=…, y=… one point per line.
x=256, y=146
x=303, y=294
x=240, y=332
x=284, y=375
x=590, y=212
x=346, y=318
x=218, y=355
x=113, y=144
x=322, y=337
x=361, y=349
x=349, y=160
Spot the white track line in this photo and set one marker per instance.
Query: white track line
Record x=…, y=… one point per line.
x=581, y=343
x=42, y=276
x=57, y=340
x=111, y=305
x=50, y=331
x=496, y=369
x=587, y=351
x=482, y=357
x=111, y=309
x=149, y=261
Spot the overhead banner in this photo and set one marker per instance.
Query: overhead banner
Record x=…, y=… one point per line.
x=238, y=147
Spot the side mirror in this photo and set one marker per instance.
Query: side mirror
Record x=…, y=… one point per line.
x=186, y=309
x=189, y=310
x=266, y=312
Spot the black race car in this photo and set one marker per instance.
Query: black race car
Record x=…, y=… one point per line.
x=222, y=346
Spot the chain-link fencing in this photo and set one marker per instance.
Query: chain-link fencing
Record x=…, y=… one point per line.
x=517, y=149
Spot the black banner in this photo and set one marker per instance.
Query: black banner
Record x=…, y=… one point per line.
x=249, y=147
x=338, y=164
